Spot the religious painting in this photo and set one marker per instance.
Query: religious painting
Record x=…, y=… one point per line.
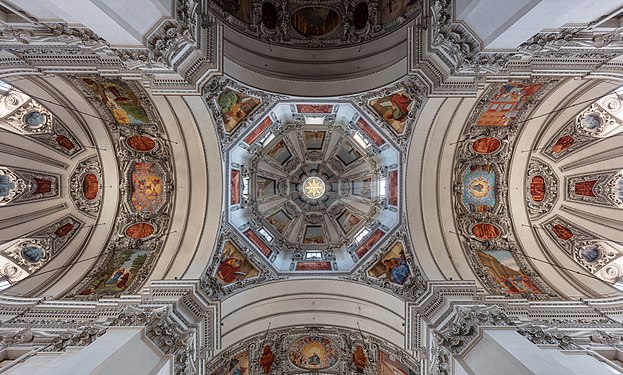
x=235, y=182
x=280, y=220
x=65, y=142
x=314, y=140
x=369, y=130
x=363, y=187
x=314, y=108
x=141, y=143
x=359, y=359
x=486, y=231
x=393, y=188
x=313, y=353
x=348, y=154
x=537, y=188
x=391, y=365
x=393, y=266
x=314, y=21
x=507, y=103
x=585, y=188
x=117, y=273
x=562, y=232
x=562, y=144
x=479, y=183
x=265, y=187
x=234, y=107
x=257, y=241
x=280, y=153
x=367, y=245
x=313, y=266
x=140, y=230
x=238, y=365
x=240, y=9
x=33, y=253
x=486, y=145
x=90, y=186
x=394, y=109
x=503, y=269
x=120, y=100
x=255, y=133
x=147, y=187
x=348, y=221
x=234, y=266
x=64, y=230
x=313, y=234
x=392, y=9
x=267, y=359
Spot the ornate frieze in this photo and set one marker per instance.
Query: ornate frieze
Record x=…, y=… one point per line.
x=600, y=188
x=85, y=186
x=541, y=189
x=20, y=185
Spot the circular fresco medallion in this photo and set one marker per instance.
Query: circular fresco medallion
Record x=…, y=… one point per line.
x=486, y=145
x=314, y=187
x=141, y=143
x=33, y=253
x=486, y=231
x=140, y=230
x=591, y=122
x=590, y=253
x=313, y=353
x=34, y=119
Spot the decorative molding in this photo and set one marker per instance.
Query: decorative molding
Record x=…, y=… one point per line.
x=541, y=189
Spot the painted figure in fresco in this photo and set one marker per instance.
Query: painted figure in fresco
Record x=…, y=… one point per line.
x=397, y=270
x=123, y=281
x=229, y=269
x=359, y=359
x=485, y=231
x=563, y=143
x=562, y=232
x=64, y=230
x=6, y=186
x=399, y=109
x=115, y=276
x=486, y=145
x=267, y=359
x=33, y=254
x=314, y=360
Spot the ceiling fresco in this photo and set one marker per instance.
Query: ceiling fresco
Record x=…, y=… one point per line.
x=316, y=24
x=314, y=187
x=146, y=185
x=328, y=349
x=481, y=191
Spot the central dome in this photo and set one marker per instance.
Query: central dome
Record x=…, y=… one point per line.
x=313, y=187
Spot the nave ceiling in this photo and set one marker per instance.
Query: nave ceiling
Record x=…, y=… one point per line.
x=500, y=170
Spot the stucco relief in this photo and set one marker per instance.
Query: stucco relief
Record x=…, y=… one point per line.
x=85, y=186
x=541, y=189
x=19, y=185
x=599, y=188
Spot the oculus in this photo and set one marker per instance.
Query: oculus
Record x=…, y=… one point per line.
x=313, y=187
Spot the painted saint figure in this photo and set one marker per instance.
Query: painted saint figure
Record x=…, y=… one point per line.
x=396, y=269
x=267, y=359
x=359, y=359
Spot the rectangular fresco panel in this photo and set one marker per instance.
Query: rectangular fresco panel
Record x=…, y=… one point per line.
x=506, y=104
x=257, y=241
x=238, y=365
x=280, y=220
x=314, y=234
x=265, y=187
x=370, y=132
x=504, y=270
x=393, y=188
x=393, y=266
x=348, y=154
x=314, y=140
x=234, y=107
x=363, y=187
x=369, y=243
x=313, y=266
x=348, y=221
x=394, y=109
x=119, y=99
x=479, y=185
x=391, y=365
x=257, y=132
x=280, y=152
x=235, y=187
x=234, y=266
x=118, y=273
x=314, y=108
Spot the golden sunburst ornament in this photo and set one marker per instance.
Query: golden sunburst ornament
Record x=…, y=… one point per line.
x=313, y=187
